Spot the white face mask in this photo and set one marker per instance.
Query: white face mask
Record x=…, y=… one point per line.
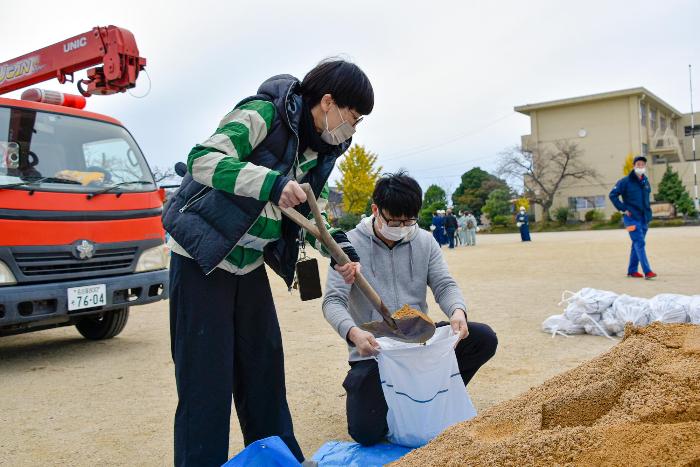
x=640, y=171
x=395, y=233
x=339, y=134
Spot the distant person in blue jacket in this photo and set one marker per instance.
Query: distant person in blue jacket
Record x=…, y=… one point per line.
x=523, y=222
x=635, y=207
x=439, y=230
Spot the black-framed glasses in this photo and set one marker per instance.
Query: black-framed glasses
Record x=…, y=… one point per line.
x=398, y=222
x=357, y=119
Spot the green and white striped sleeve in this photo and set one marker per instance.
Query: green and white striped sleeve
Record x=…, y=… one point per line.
x=220, y=161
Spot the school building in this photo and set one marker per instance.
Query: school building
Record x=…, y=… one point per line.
x=607, y=127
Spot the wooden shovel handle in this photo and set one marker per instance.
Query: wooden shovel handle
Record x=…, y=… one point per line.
x=320, y=232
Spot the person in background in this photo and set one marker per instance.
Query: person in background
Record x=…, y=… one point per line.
x=636, y=209
x=439, y=228
x=523, y=222
x=450, y=228
x=462, y=228
x=225, y=222
x=401, y=261
x=471, y=229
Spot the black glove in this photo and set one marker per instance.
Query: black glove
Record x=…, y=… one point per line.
x=342, y=240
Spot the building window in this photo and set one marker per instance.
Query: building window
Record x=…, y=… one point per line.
x=643, y=113
x=659, y=159
x=645, y=149
x=578, y=203
x=662, y=123
x=688, y=130
x=652, y=118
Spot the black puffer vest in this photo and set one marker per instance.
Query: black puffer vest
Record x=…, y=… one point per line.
x=208, y=223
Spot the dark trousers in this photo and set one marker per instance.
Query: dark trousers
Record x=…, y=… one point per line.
x=225, y=341
x=638, y=253
x=451, y=237
x=365, y=404
x=525, y=233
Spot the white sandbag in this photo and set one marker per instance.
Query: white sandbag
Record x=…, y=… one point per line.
x=423, y=388
x=694, y=309
x=594, y=330
x=586, y=301
x=611, y=324
x=633, y=310
x=669, y=308
x=559, y=324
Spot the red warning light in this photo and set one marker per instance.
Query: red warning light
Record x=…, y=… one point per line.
x=54, y=97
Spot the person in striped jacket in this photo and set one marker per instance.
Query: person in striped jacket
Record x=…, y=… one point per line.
x=224, y=223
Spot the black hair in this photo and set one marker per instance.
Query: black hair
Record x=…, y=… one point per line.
x=640, y=158
x=398, y=195
x=343, y=80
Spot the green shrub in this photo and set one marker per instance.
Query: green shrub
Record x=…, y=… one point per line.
x=666, y=223
x=562, y=215
x=348, y=222
x=594, y=215
x=425, y=216
x=501, y=220
x=616, y=217
x=603, y=226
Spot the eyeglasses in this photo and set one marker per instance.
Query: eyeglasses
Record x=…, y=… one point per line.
x=398, y=222
x=358, y=118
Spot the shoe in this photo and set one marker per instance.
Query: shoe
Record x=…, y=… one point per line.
x=635, y=274
x=650, y=275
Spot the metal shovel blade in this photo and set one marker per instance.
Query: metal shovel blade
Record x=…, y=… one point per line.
x=414, y=329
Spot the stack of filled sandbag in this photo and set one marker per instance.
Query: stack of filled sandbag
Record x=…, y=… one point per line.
x=605, y=313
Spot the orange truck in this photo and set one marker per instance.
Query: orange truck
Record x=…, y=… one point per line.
x=81, y=239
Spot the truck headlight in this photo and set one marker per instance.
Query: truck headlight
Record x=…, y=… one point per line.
x=152, y=259
x=6, y=276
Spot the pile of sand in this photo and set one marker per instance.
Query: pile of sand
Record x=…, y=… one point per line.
x=637, y=404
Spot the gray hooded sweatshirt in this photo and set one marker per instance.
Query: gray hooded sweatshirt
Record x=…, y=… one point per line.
x=400, y=275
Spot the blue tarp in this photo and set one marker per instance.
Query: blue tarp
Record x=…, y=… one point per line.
x=268, y=452
x=339, y=453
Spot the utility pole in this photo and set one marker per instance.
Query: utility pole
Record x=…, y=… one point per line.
x=692, y=135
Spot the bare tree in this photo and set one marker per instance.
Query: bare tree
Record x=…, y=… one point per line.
x=544, y=170
x=161, y=173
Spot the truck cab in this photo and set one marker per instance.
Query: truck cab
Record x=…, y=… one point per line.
x=81, y=239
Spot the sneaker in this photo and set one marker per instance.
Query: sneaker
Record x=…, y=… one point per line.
x=650, y=275
x=635, y=274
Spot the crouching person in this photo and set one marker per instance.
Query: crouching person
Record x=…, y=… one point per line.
x=400, y=261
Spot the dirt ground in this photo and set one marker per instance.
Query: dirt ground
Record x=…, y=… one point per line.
x=67, y=401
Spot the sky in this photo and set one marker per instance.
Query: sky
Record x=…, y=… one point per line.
x=446, y=74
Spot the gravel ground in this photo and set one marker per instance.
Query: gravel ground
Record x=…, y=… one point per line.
x=68, y=401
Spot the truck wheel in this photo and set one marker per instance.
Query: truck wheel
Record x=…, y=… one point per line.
x=103, y=326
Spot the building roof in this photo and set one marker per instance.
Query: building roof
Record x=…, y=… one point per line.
x=526, y=109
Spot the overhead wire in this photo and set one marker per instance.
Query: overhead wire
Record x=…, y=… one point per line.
x=429, y=147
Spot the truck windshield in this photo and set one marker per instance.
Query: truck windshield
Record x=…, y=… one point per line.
x=63, y=153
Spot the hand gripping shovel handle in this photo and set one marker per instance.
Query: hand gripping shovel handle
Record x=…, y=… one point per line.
x=320, y=232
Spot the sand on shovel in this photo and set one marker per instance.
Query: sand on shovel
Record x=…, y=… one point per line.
x=637, y=404
x=408, y=312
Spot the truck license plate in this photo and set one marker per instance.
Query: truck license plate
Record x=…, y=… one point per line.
x=87, y=296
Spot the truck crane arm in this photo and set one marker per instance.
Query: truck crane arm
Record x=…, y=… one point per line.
x=113, y=47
